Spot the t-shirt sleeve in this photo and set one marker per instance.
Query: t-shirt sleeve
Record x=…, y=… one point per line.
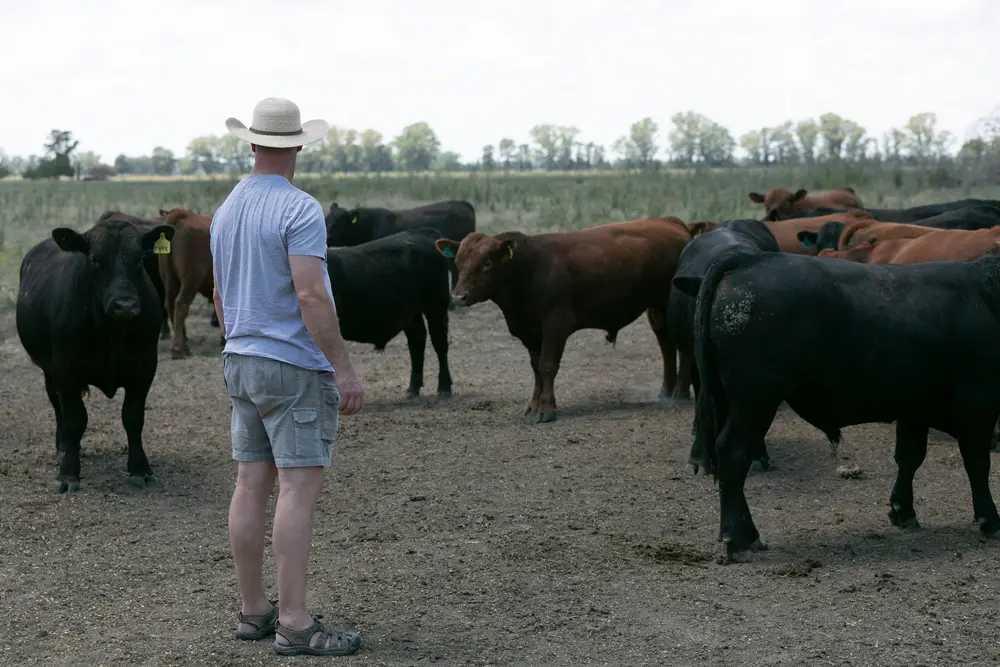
x=305, y=229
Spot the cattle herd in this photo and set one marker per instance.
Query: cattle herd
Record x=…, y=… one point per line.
x=847, y=314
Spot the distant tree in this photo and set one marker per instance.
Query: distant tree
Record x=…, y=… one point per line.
x=922, y=141
x=376, y=156
x=204, y=152
x=507, y=149
x=487, y=159
x=163, y=161
x=751, y=144
x=448, y=161
x=640, y=145
x=5, y=165
x=832, y=128
x=417, y=147
x=808, y=133
x=786, y=151
x=524, y=157
x=856, y=142
x=546, y=140
x=58, y=160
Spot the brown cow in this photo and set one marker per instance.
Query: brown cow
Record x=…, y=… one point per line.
x=185, y=271
x=871, y=231
x=786, y=231
x=549, y=286
x=780, y=203
x=937, y=245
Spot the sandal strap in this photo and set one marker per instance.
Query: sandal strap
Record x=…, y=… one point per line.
x=303, y=637
x=260, y=620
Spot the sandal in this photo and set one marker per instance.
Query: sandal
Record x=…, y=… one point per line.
x=265, y=624
x=299, y=641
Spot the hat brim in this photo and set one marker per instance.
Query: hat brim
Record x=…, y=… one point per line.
x=312, y=130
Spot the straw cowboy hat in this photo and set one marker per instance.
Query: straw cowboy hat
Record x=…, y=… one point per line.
x=277, y=124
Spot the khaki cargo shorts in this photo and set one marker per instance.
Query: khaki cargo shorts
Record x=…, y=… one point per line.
x=281, y=412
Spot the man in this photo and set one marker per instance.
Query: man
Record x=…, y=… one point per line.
x=287, y=372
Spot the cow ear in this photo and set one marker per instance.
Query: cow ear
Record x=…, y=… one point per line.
x=447, y=247
x=70, y=240
x=756, y=198
x=506, y=250
x=687, y=284
x=799, y=195
x=700, y=227
x=333, y=206
x=157, y=240
x=808, y=239
x=849, y=189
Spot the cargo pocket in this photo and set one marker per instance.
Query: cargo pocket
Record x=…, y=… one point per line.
x=331, y=410
x=307, y=429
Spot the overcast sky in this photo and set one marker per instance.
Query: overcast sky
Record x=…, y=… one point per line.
x=126, y=76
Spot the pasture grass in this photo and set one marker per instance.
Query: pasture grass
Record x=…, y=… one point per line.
x=530, y=202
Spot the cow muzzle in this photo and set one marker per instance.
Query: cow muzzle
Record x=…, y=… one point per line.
x=460, y=300
x=122, y=310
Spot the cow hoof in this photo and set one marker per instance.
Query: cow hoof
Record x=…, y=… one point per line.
x=67, y=485
x=734, y=555
x=142, y=481
x=412, y=393
x=762, y=465
x=691, y=468
x=906, y=523
x=545, y=417
x=444, y=393
x=989, y=527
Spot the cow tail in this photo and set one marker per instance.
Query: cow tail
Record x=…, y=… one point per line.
x=711, y=397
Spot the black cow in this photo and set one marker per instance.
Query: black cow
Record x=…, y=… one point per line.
x=153, y=268
x=917, y=214
x=453, y=219
x=846, y=343
x=732, y=236
x=87, y=314
x=390, y=285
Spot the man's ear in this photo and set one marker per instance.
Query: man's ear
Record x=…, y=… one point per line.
x=70, y=240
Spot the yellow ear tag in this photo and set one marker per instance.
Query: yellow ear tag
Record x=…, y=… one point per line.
x=354, y=219
x=162, y=245
x=510, y=251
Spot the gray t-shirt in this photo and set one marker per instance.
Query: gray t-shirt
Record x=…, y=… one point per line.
x=263, y=221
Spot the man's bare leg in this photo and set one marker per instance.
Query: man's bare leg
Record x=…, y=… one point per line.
x=299, y=489
x=247, y=514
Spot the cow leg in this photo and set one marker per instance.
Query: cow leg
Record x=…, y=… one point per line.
x=50, y=389
x=975, y=449
x=74, y=414
x=658, y=322
x=697, y=447
x=416, y=341
x=911, y=449
x=742, y=430
x=437, y=325
x=170, y=289
x=554, y=337
x=179, y=347
x=452, y=281
x=684, y=378
x=534, y=354
x=133, y=419
x=995, y=440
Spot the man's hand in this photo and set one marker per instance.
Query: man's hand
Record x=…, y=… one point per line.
x=352, y=394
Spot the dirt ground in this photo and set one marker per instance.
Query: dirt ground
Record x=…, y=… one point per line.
x=460, y=533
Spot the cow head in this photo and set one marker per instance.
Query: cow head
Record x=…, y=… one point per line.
x=778, y=203
x=481, y=262
x=115, y=250
x=339, y=222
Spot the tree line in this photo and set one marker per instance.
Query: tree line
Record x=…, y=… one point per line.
x=692, y=139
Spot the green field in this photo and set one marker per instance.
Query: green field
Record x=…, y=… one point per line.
x=530, y=203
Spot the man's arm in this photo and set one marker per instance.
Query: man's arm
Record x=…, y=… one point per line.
x=217, y=300
x=305, y=240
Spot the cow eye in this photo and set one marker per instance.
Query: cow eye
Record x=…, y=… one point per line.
x=95, y=260
x=487, y=264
